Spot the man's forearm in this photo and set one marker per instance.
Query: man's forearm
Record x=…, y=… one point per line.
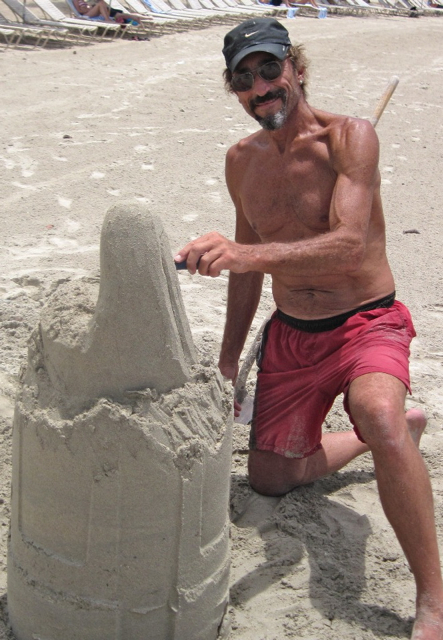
x=244, y=292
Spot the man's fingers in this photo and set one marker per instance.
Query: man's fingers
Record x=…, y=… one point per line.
x=208, y=255
x=180, y=265
x=185, y=260
x=210, y=264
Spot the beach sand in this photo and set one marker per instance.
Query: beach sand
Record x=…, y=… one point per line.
x=85, y=127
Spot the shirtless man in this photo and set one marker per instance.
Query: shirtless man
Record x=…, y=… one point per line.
x=306, y=189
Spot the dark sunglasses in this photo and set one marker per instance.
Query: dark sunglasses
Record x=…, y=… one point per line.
x=245, y=81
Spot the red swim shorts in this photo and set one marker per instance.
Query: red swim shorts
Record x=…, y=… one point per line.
x=301, y=374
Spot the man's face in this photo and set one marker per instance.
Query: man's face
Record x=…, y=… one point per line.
x=269, y=101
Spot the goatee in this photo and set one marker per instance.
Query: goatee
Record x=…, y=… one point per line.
x=273, y=121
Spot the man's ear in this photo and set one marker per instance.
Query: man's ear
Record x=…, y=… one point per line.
x=300, y=74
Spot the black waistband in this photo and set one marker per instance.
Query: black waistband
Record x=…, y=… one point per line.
x=327, y=324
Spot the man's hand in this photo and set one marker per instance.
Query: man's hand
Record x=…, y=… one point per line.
x=212, y=253
x=230, y=372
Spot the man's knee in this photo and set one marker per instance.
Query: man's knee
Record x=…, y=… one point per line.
x=382, y=424
x=271, y=474
x=376, y=404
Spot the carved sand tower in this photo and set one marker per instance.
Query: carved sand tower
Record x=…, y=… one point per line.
x=121, y=458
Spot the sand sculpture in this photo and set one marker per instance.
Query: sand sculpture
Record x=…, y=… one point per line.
x=121, y=458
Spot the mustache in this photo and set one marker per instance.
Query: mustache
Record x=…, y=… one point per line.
x=271, y=95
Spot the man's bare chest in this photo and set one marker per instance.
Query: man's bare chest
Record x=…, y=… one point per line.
x=287, y=202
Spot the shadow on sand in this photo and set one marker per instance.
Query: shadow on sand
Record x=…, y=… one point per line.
x=306, y=523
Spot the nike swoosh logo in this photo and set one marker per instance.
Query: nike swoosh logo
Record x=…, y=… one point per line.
x=248, y=35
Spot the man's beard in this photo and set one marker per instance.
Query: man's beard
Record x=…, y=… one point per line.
x=273, y=121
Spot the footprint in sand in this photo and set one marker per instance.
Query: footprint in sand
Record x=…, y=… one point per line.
x=436, y=310
x=64, y=202
x=255, y=510
x=29, y=187
x=20, y=160
x=53, y=246
x=141, y=148
x=72, y=225
x=190, y=217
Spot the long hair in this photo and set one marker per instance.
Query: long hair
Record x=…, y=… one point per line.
x=296, y=54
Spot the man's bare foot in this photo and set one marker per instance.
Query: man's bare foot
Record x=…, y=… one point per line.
x=416, y=420
x=428, y=624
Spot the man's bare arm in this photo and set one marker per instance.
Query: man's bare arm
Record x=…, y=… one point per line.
x=243, y=297
x=244, y=289
x=337, y=251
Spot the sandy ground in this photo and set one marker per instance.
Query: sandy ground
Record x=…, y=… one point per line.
x=84, y=127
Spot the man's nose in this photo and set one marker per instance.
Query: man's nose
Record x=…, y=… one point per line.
x=260, y=86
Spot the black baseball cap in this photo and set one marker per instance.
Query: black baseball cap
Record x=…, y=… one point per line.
x=258, y=34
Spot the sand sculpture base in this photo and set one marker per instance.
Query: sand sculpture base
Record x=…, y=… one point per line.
x=119, y=513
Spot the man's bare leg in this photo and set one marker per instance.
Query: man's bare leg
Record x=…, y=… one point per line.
x=376, y=402
x=273, y=474
x=402, y=479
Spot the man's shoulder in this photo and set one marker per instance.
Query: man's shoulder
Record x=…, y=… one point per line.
x=344, y=131
x=339, y=123
x=344, y=125
x=245, y=146
x=350, y=141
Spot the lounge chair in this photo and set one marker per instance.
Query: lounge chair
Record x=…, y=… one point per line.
x=163, y=23
x=10, y=36
x=416, y=7
x=162, y=8
x=404, y=4
x=207, y=8
x=53, y=13
x=30, y=34
x=169, y=22
x=143, y=9
x=199, y=13
x=145, y=26
x=258, y=8
x=268, y=9
x=180, y=9
x=305, y=9
x=240, y=11
x=165, y=12
x=80, y=31
x=228, y=11
x=255, y=9
x=106, y=28
x=364, y=8
x=194, y=8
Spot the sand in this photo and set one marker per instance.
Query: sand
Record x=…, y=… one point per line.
x=86, y=127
